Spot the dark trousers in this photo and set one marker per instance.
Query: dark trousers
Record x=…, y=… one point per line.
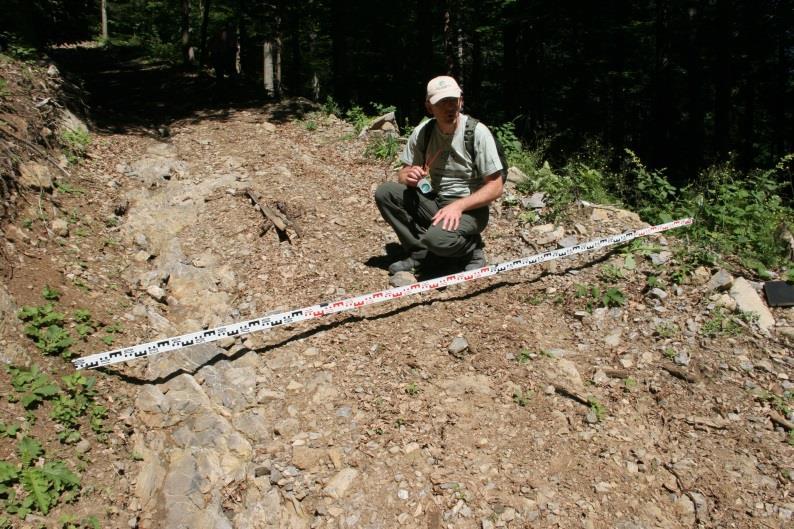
x=410, y=214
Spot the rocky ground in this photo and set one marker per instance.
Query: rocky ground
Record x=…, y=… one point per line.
x=514, y=401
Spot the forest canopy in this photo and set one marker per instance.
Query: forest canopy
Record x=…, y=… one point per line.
x=684, y=84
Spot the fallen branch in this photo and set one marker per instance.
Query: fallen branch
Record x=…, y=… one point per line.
x=562, y=390
x=683, y=375
x=781, y=421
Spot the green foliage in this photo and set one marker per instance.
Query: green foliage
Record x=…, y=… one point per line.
x=611, y=297
x=3, y=87
x=720, y=324
x=412, y=389
x=46, y=330
x=522, y=397
x=67, y=188
x=8, y=430
x=597, y=408
x=382, y=147
x=740, y=214
x=650, y=193
x=382, y=109
x=39, y=482
x=310, y=125
x=75, y=143
x=357, y=117
x=76, y=401
x=50, y=294
x=611, y=273
x=32, y=385
x=84, y=325
x=523, y=356
x=331, y=107
x=666, y=329
x=68, y=521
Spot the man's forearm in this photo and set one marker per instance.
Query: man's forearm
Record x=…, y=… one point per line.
x=490, y=191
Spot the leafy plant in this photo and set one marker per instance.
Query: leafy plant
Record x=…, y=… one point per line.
x=611, y=273
x=84, y=325
x=331, y=107
x=666, y=329
x=8, y=430
x=382, y=147
x=523, y=356
x=46, y=330
x=40, y=482
x=522, y=397
x=720, y=324
x=597, y=408
x=75, y=143
x=68, y=521
x=652, y=194
x=33, y=385
x=50, y=294
x=357, y=117
x=613, y=297
x=67, y=188
x=412, y=389
x=72, y=404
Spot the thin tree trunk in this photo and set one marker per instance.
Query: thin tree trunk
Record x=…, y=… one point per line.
x=185, y=27
x=277, y=49
x=205, y=16
x=104, y=19
x=449, y=39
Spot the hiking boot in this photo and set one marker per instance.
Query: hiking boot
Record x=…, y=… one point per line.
x=476, y=260
x=409, y=264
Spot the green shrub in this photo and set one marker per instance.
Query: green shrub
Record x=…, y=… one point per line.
x=382, y=147
x=75, y=144
x=331, y=107
x=740, y=214
x=357, y=117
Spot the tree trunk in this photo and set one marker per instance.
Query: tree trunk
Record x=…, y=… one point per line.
x=278, y=22
x=267, y=70
x=205, y=16
x=449, y=39
x=475, y=80
x=185, y=27
x=103, y=7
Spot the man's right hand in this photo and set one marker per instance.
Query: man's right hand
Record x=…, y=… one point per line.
x=411, y=174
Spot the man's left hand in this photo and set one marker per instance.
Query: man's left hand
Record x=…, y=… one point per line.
x=448, y=216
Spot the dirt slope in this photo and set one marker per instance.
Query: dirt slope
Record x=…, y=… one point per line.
x=560, y=413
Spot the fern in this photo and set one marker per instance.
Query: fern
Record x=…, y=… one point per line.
x=35, y=482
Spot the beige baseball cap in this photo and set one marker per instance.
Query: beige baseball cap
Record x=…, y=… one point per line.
x=441, y=87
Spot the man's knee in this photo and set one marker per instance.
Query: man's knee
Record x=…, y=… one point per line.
x=445, y=243
x=387, y=192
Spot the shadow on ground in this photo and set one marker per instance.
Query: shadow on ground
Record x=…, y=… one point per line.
x=126, y=92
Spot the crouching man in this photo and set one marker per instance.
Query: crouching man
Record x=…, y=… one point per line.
x=451, y=173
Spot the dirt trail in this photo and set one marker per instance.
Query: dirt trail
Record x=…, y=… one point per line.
x=365, y=419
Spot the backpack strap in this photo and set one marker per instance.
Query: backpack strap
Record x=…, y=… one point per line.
x=468, y=136
x=427, y=131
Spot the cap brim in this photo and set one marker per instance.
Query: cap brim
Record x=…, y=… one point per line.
x=450, y=92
